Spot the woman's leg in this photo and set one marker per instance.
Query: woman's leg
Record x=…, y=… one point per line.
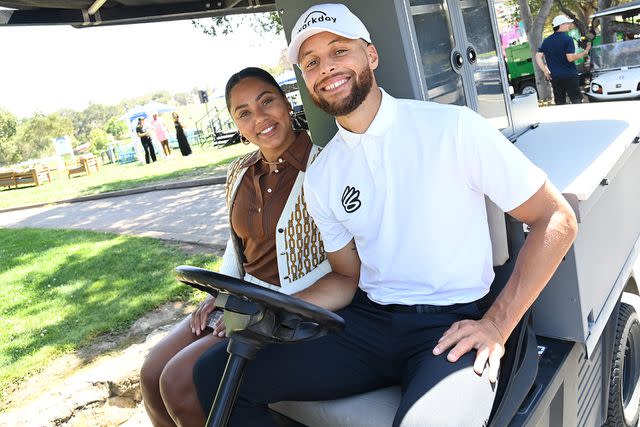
x=176, y=384
x=155, y=362
x=165, y=147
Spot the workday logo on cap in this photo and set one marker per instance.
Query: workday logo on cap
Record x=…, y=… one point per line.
x=316, y=16
x=331, y=17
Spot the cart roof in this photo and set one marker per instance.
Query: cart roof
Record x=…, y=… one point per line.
x=79, y=13
x=627, y=9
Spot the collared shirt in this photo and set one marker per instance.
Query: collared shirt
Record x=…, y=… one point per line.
x=410, y=191
x=259, y=202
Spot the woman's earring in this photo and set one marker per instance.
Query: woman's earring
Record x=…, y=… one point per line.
x=292, y=116
x=244, y=140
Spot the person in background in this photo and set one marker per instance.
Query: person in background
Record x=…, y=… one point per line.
x=183, y=143
x=556, y=58
x=145, y=138
x=161, y=133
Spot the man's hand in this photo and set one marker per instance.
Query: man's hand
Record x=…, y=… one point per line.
x=198, y=320
x=482, y=335
x=547, y=74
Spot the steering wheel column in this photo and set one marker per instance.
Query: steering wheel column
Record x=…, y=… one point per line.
x=254, y=317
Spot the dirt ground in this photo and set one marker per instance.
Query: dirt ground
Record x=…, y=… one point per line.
x=98, y=385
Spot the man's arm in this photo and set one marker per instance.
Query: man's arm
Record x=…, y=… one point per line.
x=543, y=66
x=336, y=289
x=553, y=229
x=575, y=56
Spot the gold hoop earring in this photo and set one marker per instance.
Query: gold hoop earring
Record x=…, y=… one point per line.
x=244, y=140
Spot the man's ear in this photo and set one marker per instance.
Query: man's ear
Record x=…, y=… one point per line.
x=372, y=54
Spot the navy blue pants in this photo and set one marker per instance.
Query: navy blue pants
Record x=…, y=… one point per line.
x=378, y=348
x=566, y=86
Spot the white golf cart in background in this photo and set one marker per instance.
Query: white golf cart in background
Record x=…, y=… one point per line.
x=615, y=67
x=574, y=360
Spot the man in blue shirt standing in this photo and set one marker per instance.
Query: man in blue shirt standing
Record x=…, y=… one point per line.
x=558, y=51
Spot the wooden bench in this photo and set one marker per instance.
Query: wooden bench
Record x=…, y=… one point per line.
x=84, y=165
x=35, y=176
x=7, y=179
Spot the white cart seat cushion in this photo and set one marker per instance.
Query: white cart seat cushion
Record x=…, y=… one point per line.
x=379, y=405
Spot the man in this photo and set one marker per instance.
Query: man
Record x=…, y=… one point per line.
x=145, y=138
x=558, y=51
x=398, y=195
x=161, y=133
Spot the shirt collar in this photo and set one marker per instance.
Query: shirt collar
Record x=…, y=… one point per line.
x=296, y=155
x=381, y=122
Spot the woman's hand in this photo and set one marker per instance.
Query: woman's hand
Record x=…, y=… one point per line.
x=198, y=320
x=219, y=328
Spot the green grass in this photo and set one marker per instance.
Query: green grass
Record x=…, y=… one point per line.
x=62, y=289
x=201, y=164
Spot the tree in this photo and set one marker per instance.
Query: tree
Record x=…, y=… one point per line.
x=161, y=96
x=34, y=136
x=260, y=22
x=8, y=126
x=99, y=140
x=579, y=11
x=116, y=128
x=607, y=33
x=92, y=117
x=533, y=27
x=281, y=66
x=183, y=98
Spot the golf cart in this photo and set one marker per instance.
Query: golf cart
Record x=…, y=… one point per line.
x=616, y=66
x=574, y=360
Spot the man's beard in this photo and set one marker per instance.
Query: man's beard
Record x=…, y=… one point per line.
x=361, y=88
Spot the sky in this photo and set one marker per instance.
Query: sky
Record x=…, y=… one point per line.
x=48, y=68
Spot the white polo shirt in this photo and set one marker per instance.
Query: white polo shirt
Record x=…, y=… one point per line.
x=410, y=191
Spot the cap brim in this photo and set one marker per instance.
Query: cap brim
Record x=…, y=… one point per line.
x=294, y=47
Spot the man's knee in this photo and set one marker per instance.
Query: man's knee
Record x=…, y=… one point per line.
x=460, y=399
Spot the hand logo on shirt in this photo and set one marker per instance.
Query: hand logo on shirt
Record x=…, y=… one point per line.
x=350, y=201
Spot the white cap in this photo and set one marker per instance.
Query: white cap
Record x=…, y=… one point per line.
x=559, y=20
x=332, y=17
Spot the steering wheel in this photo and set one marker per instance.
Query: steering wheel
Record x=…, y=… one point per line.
x=259, y=313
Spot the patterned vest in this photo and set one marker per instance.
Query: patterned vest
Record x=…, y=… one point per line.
x=301, y=257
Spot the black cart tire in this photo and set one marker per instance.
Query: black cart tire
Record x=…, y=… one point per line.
x=624, y=390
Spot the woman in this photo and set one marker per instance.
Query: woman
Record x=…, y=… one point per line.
x=183, y=143
x=266, y=206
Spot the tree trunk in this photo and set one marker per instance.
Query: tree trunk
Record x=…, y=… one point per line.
x=533, y=28
x=607, y=34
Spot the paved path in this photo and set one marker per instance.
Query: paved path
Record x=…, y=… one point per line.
x=195, y=215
